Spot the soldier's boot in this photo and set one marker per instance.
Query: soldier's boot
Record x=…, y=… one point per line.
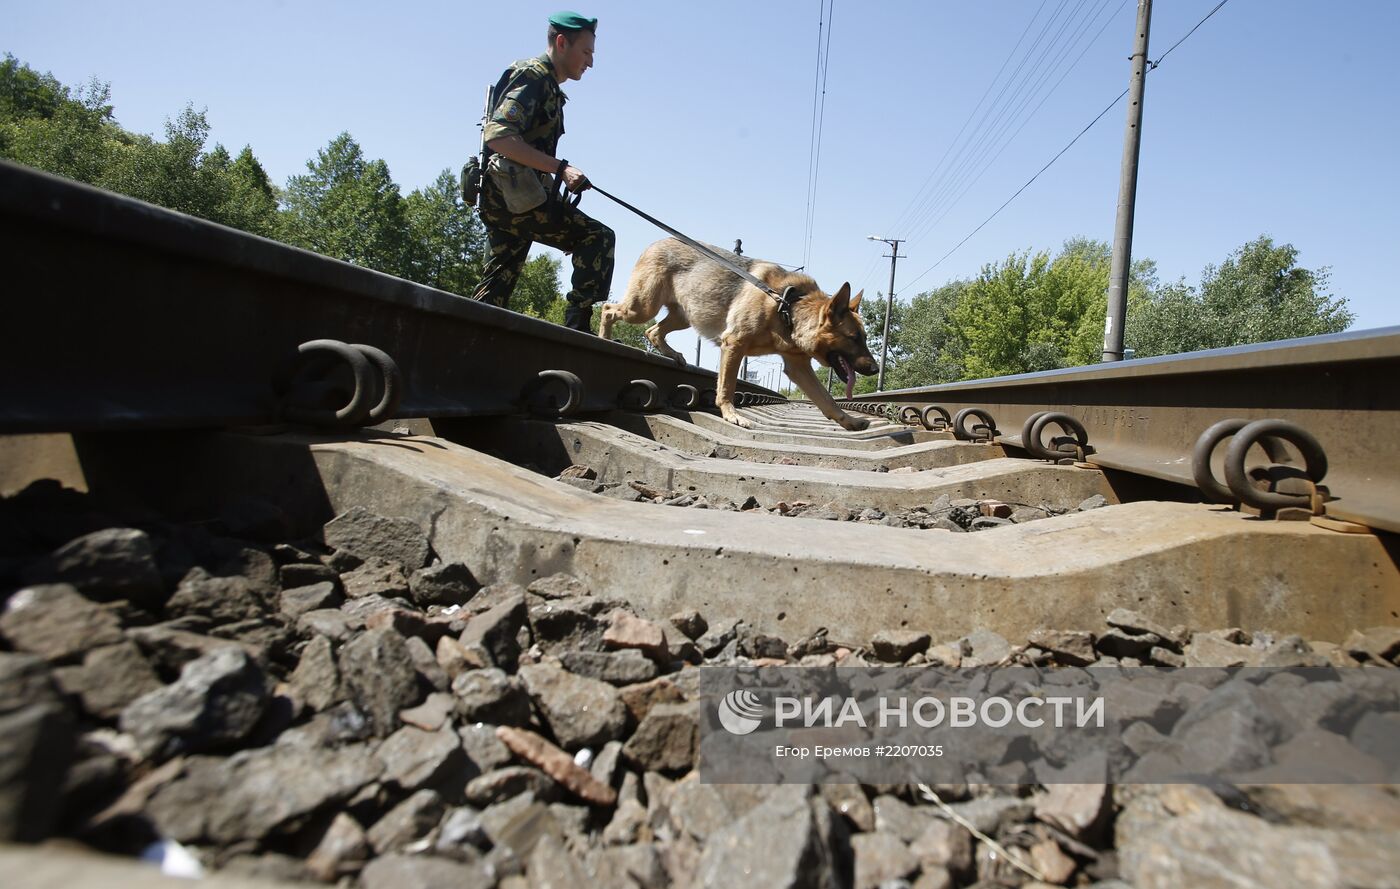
x=579, y=315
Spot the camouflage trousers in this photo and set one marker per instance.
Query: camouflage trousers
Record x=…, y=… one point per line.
x=588, y=241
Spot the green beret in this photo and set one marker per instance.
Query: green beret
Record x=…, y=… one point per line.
x=572, y=21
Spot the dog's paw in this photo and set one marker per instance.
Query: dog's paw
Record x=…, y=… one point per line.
x=679, y=359
x=854, y=424
x=739, y=421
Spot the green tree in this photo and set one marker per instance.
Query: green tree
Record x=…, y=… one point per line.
x=445, y=240
x=1032, y=313
x=927, y=352
x=250, y=200
x=348, y=207
x=1258, y=294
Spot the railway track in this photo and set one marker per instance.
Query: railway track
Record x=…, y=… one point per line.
x=199, y=378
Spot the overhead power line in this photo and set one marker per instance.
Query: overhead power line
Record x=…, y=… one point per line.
x=826, y=8
x=1058, y=154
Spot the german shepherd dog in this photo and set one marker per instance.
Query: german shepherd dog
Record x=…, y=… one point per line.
x=743, y=320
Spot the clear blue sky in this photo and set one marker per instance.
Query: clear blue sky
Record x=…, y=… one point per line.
x=1275, y=118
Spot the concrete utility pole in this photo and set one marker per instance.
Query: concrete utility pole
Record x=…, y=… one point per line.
x=889, y=306
x=1127, y=193
x=697, y=349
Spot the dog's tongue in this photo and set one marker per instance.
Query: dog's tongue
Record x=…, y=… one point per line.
x=850, y=375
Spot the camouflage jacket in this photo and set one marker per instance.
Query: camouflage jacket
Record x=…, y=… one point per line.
x=529, y=104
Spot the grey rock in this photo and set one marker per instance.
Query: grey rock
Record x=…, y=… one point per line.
x=561, y=625
x=398, y=871
x=1165, y=657
x=410, y=820
x=299, y=600
x=603, y=768
x=343, y=723
x=552, y=866
x=761, y=645
x=431, y=715
x=255, y=792
x=850, y=801
x=1137, y=624
x=366, y=535
x=109, y=679
x=579, y=712
x=447, y=583
x=944, y=845
x=54, y=621
x=1120, y=644
x=1093, y=502
x=1214, y=848
x=366, y=607
x=378, y=671
x=1027, y=514
x=897, y=646
x=787, y=841
x=1375, y=734
x=1076, y=809
x=1074, y=648
x=332, y=623
x=503, y=783
x=717, y=637
x=489, y=695
x=114, y=563
x=667, y=740
x=989, y=812
x=622, y=667
x=880, y=858
x=690, y=623
x=494, y=631
x=1377, y=645
x=265, y=867
x=559, y=586
x=482, y=747
x=426, y=663
x=986, y=522
x=1206, y=650
x=343, y=849
x=639, y=865
x=1292, y=651
x=223, y=600
x=461, y=834
x=627, y=824
x=497, y=818
x=300, y=574
x=37, y=740
x=894, y=816
x=415, y=759
x=316, y=679
x=376, y=577
x=987, y=647
x=217, y=701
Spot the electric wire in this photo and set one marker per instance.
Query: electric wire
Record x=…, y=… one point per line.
x=1151, y=66
x=966, y=185
x=1037, y=80
x=825, y=16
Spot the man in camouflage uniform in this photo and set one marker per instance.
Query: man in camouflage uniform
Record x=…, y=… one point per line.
x=524, y=126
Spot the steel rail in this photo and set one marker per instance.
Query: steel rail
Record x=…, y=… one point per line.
x=123, y=315
x=1144, y=416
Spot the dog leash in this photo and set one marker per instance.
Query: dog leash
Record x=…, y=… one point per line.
x=785, y=300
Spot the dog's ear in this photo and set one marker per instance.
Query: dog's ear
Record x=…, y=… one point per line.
x=855, y=301
x=841, y=302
